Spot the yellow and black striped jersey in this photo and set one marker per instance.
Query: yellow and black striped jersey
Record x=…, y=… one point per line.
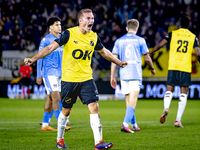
x=78, y=49
x=182, y=43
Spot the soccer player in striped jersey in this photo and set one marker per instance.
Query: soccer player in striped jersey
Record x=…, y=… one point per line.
x=50, y=69
x=131, y=47
x=79, y=44
x=182, y=42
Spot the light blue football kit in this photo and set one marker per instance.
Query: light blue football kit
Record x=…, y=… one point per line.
x=51, y=65
x=50, y=69
x=130, y=47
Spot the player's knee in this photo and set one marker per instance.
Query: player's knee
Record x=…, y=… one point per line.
x=183, y=98
x=66, y=111
x=55, y=100
x=93, y=108
x=168, y=94
x=47, y=108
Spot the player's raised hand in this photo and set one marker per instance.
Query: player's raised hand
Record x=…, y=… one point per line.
x=28, y=61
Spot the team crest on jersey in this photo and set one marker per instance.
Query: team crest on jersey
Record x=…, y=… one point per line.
x=68, y=100
x=54, y=85
x=76, y=42
x=91, y=43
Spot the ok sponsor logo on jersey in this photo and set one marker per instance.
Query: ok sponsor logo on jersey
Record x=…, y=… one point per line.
x=80, y=54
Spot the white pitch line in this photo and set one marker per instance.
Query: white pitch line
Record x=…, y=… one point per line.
x=104, y=123
x=17, y=122
x=19, y=128
x=137, y=122
x=145, y=122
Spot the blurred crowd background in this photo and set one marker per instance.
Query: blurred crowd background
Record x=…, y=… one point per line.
x=23, y=22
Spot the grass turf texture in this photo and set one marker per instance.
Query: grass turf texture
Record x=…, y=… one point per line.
x=20, y=129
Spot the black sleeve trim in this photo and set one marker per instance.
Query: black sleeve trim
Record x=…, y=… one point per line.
x=99, y=45
x=168, y=37
x=196, y=42
x=64, y=37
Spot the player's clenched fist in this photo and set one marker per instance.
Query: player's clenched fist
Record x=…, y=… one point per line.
x=28, y=61
x=123, y=64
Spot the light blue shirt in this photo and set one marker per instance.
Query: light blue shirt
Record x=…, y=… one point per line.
x=51, y=65
x=130, y=47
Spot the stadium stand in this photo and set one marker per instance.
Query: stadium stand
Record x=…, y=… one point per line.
x=23, y=22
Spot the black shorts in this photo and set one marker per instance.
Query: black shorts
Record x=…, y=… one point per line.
x=179, y=78
x=25, y=81
x=87, y=92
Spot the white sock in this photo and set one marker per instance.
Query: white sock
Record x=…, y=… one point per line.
x=167, y=99
x=45, y=124
x=96, y=127
x=49, y=120
x=181, y=106
x=62, y=120
x=136, y=125
x=67, y=118
x=125, y=124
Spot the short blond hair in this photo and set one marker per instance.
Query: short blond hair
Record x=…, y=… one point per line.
x=132, y=24
x=82, y=11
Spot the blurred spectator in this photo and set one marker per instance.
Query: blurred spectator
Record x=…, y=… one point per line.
x=115, y=18
x=195, y=5
x=23, y=44
x=17, y=22
x=198, y=36
x=56, y=11
x=7, y=23
x=5, y=37
x=123, y=13
x=1, y=46
x=30, y=46
x=26, y=19
x=116, y=29
x=11, y=11
x=158, y=38
x=195, y=27
x=149, y=37
x=16, y=42
x=29, y=32
x=152, y=14
x=0, y=12
x=172, y=25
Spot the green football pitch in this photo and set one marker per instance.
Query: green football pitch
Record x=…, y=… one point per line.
x=20, y=129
